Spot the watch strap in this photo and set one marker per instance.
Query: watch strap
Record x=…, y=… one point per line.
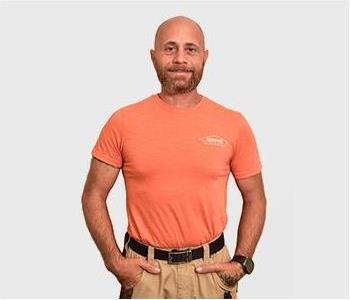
x=243, y=261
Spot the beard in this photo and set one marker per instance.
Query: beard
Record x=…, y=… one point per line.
x=178, y=85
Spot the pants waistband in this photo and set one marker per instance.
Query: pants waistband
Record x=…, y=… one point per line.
x=174, y=256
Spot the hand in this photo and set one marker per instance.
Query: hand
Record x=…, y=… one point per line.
x=128, y=270
x=230, y=272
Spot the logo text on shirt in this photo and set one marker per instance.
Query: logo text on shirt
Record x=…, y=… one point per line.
x=214, y=140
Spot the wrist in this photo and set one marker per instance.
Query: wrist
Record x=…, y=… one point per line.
x=238, y=265
x=245, y=261
x=112, y=259
x=114, y=266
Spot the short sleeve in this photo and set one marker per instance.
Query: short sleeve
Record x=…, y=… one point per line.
x=245, y=160
x=108, y=146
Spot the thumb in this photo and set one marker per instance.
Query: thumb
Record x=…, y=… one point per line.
x=208, y=267
x=150, y=266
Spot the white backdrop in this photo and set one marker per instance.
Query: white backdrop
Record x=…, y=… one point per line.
x=65, y=66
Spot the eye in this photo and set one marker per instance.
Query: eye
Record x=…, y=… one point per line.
x=192, y=50
x=169, y=48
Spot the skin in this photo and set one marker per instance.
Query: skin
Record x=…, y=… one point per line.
x=174, y=42
x=249, y=229
x=100, y=179
x=179, y=46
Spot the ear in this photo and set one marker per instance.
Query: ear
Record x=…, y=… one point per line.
x=152, y=54
x=206, y=53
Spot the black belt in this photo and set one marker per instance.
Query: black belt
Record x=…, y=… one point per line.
x=174, y=256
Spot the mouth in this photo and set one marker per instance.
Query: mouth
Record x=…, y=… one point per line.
x=180, y=72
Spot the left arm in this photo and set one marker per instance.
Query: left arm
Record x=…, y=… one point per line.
x=249, y=230
x=253, y=214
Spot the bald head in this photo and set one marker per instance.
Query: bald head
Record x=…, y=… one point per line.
x=179, y=25
x=179, y=55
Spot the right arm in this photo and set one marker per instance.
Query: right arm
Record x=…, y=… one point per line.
x=100, y=179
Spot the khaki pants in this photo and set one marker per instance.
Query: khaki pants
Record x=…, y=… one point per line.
x=181, y=280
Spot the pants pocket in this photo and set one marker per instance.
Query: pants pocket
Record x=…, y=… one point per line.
x=223, y=285
x=130, y=253
x=227, y=290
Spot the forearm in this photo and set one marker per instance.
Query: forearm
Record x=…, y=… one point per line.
x=100, y=227
x=250, y=226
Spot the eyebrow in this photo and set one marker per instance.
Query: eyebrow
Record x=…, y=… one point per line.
x=186, y=44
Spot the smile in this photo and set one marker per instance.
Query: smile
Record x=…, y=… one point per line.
x=179, y=72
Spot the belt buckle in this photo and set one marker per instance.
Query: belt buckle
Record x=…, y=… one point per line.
x=186, y=252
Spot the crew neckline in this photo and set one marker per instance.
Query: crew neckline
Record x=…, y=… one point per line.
x=176, y=109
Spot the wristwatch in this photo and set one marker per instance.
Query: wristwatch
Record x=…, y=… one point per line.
x=246, y=262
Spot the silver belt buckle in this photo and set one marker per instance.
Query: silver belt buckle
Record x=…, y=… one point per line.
x=187, y=253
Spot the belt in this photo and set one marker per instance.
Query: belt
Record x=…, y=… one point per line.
x=175, y=256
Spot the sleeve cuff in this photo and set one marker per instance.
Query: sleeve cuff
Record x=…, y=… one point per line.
x=242, y=175
x=107, y=159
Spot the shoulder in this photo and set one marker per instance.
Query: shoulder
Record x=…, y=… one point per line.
x=131, y=109
x=228, y=113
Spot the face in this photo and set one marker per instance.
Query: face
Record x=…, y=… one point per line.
x=179, y=57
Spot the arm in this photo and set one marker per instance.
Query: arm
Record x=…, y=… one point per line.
x=249, y=229
x=100, y=179
x=253, y=214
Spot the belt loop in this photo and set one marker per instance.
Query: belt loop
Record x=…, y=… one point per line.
x=127, y=239
x=150, y=253
x=206, y=252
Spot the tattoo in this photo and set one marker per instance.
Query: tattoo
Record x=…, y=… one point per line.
x=228, y=279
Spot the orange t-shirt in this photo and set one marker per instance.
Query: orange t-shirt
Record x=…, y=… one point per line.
x=176, y=162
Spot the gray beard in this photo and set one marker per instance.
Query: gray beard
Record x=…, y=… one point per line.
x=173, y=86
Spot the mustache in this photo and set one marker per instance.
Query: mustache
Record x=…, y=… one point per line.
x=179, y=70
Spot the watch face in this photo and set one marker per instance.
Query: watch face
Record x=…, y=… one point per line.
x=249, y=265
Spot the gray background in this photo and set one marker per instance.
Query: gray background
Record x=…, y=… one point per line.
x=65, y=66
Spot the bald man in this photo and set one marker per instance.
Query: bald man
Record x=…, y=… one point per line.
x=176, y=149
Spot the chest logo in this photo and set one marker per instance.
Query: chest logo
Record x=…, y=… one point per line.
x=214, y=140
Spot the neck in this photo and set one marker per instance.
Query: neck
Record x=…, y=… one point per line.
x=181, y=100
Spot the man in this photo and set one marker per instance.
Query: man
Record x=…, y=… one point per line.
x=176, y=149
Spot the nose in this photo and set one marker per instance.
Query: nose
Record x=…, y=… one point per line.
x=180, y=57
